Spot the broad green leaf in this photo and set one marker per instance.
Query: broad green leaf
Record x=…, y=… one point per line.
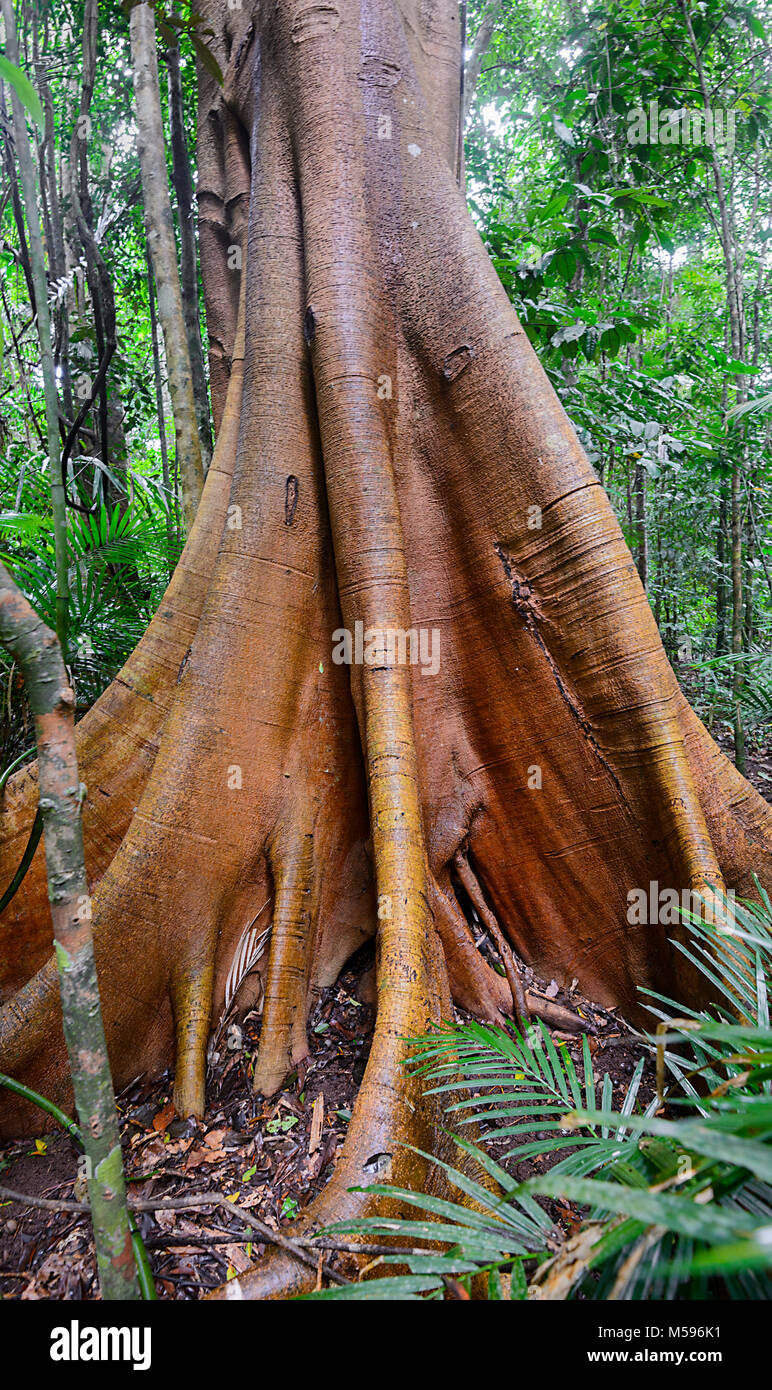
x=23, y=89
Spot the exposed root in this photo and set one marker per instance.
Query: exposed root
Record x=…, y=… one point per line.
x=474, y=985
x=470, y=883
x=192, y=991
x=283, y=1040
x=388, y=1114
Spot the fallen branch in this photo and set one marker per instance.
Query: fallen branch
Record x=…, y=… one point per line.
x=556, y=1015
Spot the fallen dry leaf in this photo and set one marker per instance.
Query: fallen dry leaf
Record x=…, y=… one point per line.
x=163, y=1119
x=237, y=1257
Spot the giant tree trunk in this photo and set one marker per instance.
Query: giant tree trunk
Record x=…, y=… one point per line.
x=399, y=459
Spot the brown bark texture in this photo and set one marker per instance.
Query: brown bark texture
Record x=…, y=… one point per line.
x=389, y=453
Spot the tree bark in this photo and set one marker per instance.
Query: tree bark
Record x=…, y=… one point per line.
x=56, y=252
x=97, y=274
x=721, y=584
x=641, y=537
x=163, y=251
x=52, y=702
x=737, y=614
x=400, y=462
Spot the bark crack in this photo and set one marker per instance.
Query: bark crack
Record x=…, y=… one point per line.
x=528, y=609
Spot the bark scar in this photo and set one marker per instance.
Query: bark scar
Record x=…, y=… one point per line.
x=245, y=42
x=183, y=664
x=457, y=361
x=291, y=499
x=379, y=72
x=313, y=21
x=528, y=608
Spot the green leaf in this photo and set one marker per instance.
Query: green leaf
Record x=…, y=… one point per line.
x=24, y=90
x=700, y=1137
x=518, y=1286
x=604, y=236
x=562, y=131
x=207, y=59
x=563, y=263
x=704, y=1222
x=401, y=1286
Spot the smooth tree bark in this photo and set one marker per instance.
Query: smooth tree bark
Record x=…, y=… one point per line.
x=52, y=701
x=56, y=253
x=18, y=214
x=390, y=458
x=163, y=252
x=641, y=537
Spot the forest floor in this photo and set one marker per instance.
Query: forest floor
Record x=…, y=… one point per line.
x=268, y=1156
x=271, y=1157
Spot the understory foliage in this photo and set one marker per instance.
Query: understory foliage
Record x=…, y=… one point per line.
x=120, y=555
x=675, y=1196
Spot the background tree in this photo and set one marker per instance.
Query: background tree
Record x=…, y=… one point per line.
x=163, y=252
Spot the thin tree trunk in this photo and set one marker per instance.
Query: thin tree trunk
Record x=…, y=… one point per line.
x=18, y=213
x=159, y=406
x=641, y=539
x=482, y=42
x=57, y=259
x=749, y=551
x=37, y=651
x=721, y=584
x=737, y=615
x=183, y=187
x=163, y=251
x=97, y=274
x=38, y=271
